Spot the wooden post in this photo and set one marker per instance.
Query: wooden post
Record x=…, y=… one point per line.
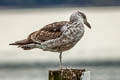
x=67, y=74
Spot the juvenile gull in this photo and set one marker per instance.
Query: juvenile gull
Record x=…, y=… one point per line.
x=57, y=36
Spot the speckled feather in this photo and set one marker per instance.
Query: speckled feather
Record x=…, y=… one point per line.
x=50, y=31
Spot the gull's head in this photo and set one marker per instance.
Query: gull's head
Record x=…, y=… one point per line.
x=79, y=16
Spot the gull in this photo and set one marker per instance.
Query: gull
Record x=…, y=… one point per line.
x=58, y=36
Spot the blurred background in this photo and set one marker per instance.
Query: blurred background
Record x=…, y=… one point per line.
x=98, y=51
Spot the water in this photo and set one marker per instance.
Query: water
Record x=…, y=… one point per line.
x=40, y=72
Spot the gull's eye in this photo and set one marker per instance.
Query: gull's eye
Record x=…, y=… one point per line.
x=84, y=16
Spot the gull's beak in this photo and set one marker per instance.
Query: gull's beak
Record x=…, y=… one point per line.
x=87, y=24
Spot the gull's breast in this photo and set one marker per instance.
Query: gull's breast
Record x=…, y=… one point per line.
x=74, y=32
x=72, y=35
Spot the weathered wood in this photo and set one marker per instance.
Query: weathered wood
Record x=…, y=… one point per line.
x=66, y=74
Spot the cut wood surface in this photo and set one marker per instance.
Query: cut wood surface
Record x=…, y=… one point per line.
x=66, y=74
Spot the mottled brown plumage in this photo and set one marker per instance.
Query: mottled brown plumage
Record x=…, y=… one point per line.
x=48, y=32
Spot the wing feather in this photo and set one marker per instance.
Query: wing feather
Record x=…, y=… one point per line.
x=50, y=31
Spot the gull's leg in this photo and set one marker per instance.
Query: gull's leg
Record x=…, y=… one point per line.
x=60, y=56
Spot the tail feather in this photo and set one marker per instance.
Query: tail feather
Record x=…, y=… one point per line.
x=25, y=47
x=21, y=42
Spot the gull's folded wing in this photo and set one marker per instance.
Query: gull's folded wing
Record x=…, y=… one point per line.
x=50, y=31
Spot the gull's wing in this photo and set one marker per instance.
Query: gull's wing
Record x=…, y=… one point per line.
x=50, y=31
